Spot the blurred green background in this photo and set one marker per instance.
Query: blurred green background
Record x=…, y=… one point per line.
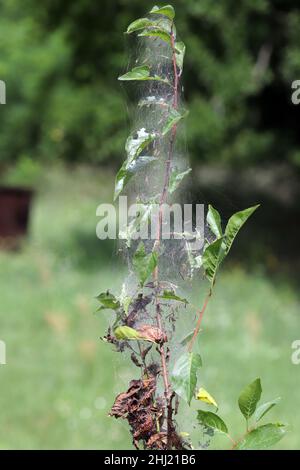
x=62, y=133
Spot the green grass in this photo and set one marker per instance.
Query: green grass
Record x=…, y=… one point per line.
x=60, y=379
x=247, y=333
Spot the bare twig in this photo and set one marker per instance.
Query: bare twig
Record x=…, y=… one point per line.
x=198, y=325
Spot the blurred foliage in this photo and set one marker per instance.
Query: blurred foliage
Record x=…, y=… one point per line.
x=60, y=61
x=27, y=172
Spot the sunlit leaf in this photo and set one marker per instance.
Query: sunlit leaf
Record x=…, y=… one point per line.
x=141, y=72
x=137, y=73
x=211, y=420
x=263, y=437
x=203, y=395
x=157, y=33
x=249, y=398
x=215, y=252
x=235, y=223
x=170, y=295
x=214, y=221
x=139, y=24
x=145, y=332
x=263, y=409
x=166, y=10
x=184, y=375
x=126, y=333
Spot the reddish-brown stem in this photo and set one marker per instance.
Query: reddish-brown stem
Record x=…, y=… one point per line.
x=234, y=443
x=199, y=321
x=168, y=394
x=241, y=438
x=176, y=76
x=173, y=137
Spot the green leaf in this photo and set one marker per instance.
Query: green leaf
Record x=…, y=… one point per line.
x=137, y=73
x=141, y=73
x=263, y=437
x=215, y=252
x=249, y=398
x=173, y=118
x=187, y=338
x=157, y=33
x=179, y=53
x=206, y=397
x=195, y=261
x=141, y=23
x=176, y=178
x=128, y=170
x=108, y=301
x=235, y=223
x=212, y=258
x=169, y=295
x=122, y=178
x=141, y=218
x=144, y=264
x=214, y=221
x=184, y=376
x=211, y=420
x=126, y=302
x=166, y=10
x=137, y=142
x=126, y=333
x=265, y=408
x=140, y=163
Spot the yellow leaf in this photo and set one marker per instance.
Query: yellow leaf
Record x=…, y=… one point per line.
x=204, y=396
x=126, y=333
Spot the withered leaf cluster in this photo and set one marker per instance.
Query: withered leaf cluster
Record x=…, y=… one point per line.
x=138, y=407
x=144, y=414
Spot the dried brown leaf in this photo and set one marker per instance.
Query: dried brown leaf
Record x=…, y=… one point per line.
x=152, y=333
